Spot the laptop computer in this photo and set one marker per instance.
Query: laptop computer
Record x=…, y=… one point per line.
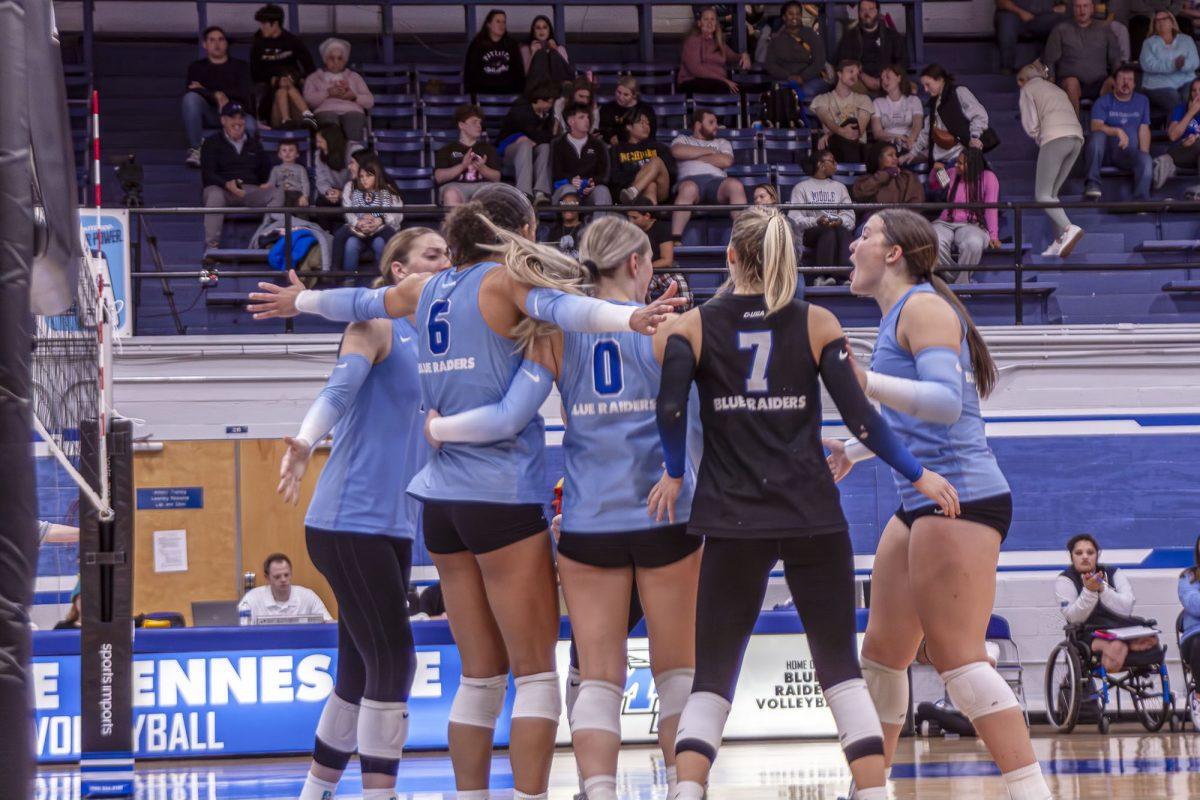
x=215, y=613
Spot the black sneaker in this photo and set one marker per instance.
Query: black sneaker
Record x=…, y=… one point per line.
x=1091, y=194
x=309, y=121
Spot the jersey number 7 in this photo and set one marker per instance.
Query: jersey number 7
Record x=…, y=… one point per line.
x=760, y=343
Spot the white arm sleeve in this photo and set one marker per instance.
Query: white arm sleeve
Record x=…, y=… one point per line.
x=1075, y=608
x=319, y=421
x=935, y=396
x=1118, y=596
x=856, y=451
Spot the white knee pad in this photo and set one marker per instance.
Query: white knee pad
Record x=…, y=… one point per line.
x=598, y=708
x=977, y=690
x=889, y=691
x=338, y=726
x=538, y=696
x=856, y=719
x=702, y=724
x=673, y=687
x=382, y=729
x=479, y=701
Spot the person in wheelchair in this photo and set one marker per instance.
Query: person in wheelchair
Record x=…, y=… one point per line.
x=1099, y=597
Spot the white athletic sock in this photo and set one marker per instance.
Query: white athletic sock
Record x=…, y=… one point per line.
x=317, y=789
x=874, y=793
x=601, y=787
x=379, y=794
x=1027, y=783
x=522, y=796
x=472, y=794
x=672, y=777
x=687, y=790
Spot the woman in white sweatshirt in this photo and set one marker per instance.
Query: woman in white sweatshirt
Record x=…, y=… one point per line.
x=826, y=232
x=1049, y=117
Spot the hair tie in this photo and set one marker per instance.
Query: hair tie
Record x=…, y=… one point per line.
x=592, y=269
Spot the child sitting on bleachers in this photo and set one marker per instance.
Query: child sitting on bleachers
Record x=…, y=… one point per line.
x=289, y=175
x=371, y=188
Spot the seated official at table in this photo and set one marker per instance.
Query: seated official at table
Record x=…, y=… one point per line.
x=280, y=597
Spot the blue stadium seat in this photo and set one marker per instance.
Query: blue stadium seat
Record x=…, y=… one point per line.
x=671, y=109
x=786, y=177
x=406, y=152
x=415, y=184
x=750, y=175
x=727, y=107
x=395, y=111
x=437, y=111
x=786, y=146
x=448, y=78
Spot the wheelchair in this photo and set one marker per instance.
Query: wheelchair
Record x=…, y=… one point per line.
x=1075, y=680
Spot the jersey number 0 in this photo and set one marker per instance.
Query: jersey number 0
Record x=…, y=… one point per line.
x=607, y=377
x=760, y=343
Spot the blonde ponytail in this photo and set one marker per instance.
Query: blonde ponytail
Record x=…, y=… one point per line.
x=536, y=265
x=766, y=253
x=608, y=242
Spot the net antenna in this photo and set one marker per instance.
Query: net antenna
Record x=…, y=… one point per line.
x=72, y=374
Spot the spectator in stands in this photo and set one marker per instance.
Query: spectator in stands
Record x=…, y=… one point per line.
x=544, y=58
x=658, y=231
x=796, y=55
x=873, y=45
x=826, y=232
x=279, y=62
x=580, y=160
x=367, y=230
x=582, y=92
x=702, y=159
x=956, y=119
x=525, y=136
x=1032, y=19
x=280, y=597
x=1168, y=62
x=969, y=230
x=1120, y=136
x=212, y=82
x=640, y=164
x=339, y=96
x=1142, y=18
x=706, y=57
x=74, y=618
x=332, y=170
x=289, y=176
x=565, y=233
x=1184, y=133
x=233, y=168
x=1189, y=643
x=1081, y=53
x=765, y=194
x=898, y=114
x=1097, y=597
x=494, y=64
x=462, y=168
x=845, y=116
x=620, y=111
x=886, y=181
x=1048, y=117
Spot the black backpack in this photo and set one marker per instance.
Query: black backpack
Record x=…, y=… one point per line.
x=781, y=108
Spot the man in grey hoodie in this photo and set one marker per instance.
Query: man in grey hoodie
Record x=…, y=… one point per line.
x=1082, y=53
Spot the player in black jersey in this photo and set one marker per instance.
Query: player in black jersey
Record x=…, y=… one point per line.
x=765, y=493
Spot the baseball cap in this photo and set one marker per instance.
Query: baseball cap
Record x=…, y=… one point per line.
x=232, y=109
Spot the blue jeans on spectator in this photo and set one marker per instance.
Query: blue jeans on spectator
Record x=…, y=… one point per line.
x=1103, y=151
x=348, y=247
x=199, y=114
x=1010, y=28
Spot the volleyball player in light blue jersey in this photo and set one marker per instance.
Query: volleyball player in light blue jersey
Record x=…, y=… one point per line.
x=489, y=541
x=611, y=537
x=935, y=577
x=360, y=529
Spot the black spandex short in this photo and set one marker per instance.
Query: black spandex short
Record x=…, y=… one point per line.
x=452, y=526
x=995, y=512
x=647, y=549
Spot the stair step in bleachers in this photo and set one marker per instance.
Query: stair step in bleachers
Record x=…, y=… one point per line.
x=1169, y=245
x=1181, y=287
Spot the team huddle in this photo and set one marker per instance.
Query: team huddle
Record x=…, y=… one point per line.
x=694, y=462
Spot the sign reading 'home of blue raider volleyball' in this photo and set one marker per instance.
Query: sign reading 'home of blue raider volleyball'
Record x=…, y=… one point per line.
x=200, y=692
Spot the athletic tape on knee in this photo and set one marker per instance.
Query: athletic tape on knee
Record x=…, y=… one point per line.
x=977, y=690
x=382, y=729
x=702, y=724
x=1027, y=783
x=338, y=726
x=889, y=691
x=598, y=708
x=479, y=701
x=673, y=687
x=537, y=696
x=856, y=719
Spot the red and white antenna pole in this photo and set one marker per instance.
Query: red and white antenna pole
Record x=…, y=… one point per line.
x=96, y=147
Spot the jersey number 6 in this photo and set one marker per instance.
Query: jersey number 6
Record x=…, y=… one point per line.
x=760, y=343
x=606, y=368
x=439, y=328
